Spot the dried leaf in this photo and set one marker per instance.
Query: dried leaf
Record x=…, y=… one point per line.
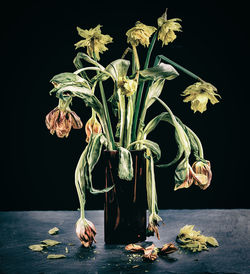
x=36, y=247
x=53, y=230
x=55, y=256
x=212, y=241
x=49, y=242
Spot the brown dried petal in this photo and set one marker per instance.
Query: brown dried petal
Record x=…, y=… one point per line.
x=51, y=118
x=63, y=125
x=150, y=253
x=153, y=228
x=76, y=121
x=168, y=248
x=134, y=248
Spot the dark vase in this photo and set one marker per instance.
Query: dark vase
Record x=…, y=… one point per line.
x=126, y=204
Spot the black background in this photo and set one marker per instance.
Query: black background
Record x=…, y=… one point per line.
x=38, y=42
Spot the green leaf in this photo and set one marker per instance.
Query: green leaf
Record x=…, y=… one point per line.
x=68, y=78
x=87, y=162
x=118, y=68
x=161, y=71
x=154, y=91
x=181, y=172
x=49, y=242
x=125, y=166
x=56, y=256
x=84, y=93
x=152, y=146
x=80, y=55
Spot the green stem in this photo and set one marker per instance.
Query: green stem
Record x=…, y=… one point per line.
x=80, y=191
x=191, y=74
x=201, y=154
x=129, y=119
x=122, y=117
x=107, y=117
x=140, y=91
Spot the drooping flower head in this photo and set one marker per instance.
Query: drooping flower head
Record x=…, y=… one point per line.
x=167, y=29
x=140, y=33
x=200, y=173
x=85, y=231
x=94, y=40
x=61, y=119
x=199, y=94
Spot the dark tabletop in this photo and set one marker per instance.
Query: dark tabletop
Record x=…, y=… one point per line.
x=18, y=230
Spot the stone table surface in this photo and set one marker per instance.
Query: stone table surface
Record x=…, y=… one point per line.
x=18, y=230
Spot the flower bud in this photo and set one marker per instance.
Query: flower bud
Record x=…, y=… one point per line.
x=92, y=127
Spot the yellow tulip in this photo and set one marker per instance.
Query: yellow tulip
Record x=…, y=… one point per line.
x=199, y=94
x=167, y=29
x=94, y=40
x=140, y=33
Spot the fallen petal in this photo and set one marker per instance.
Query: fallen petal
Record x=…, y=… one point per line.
x=55, y=256
x=36, y=247
x=53, y=230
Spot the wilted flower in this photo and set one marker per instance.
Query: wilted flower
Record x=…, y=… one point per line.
x=167, y=28
x=203, y=174
x=200, y=173
x=92, y=127
x=126, y=86
x=199, y=94
x=188, y=180
x=61, y=121
x=94, y=40
x=85, y=231
x=140, y=33
x=151, y=253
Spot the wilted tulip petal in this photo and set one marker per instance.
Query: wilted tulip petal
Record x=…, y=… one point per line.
x=168, y=248
x=151, y=253
x=51, y=118
x=203, y=174
x=153, y=229
x=85, y=231
x=134, y=248
x=61, y=120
